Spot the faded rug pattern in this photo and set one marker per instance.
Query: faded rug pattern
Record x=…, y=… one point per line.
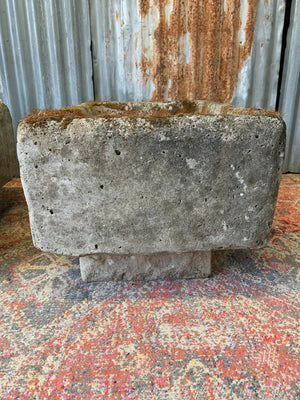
x=234, y=335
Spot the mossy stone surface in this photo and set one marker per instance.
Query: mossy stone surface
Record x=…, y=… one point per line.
x=143, y=178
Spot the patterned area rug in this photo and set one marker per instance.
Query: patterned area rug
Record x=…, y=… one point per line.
x=232, y=336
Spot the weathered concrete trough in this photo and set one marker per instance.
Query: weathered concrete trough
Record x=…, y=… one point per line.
x=147, y=190
x=8, y=156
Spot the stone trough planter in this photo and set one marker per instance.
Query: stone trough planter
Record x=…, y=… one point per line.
x=9, y=168
x=147, y=190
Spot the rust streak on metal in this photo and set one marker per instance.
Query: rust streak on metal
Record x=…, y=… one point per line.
x=144, y=6
x=196, y=51
x=249, y=30
x=145, y=66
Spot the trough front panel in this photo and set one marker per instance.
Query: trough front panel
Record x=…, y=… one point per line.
x=126, y=185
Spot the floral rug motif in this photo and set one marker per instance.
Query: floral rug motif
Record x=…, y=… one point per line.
x=234, y=335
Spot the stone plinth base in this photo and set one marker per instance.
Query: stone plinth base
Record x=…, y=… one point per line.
x=156, y=266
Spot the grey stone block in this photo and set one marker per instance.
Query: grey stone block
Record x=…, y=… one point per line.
x=142, y=178
x=8, y=157
x=157, y=266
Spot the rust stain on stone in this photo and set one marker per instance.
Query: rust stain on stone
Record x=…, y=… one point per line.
x=117, y=16
x=207, y=65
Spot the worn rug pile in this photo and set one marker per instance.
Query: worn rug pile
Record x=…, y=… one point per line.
x=234, y=335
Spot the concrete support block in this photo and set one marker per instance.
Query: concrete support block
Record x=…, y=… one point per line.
x=141, y=178
x=156, y=266
x=8, y=158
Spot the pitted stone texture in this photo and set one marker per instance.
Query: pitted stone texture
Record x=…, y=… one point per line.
x=134, y=178
x=8, y=157
x=157, y=266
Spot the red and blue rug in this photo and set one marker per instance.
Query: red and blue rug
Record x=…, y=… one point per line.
x=232, y=336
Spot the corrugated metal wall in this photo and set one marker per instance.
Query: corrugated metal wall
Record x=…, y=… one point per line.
x=227, y=50
x=290, y=91
x=45, y=56
x=258, y=81
x=62, y=52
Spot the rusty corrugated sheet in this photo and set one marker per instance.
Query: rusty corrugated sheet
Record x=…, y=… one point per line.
x=257, y=83
x=187, y=49
x=290, y=91
x=197, y=51
x=45, y=57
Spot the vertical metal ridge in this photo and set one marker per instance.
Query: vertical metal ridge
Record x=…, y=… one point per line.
x=34, y=45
